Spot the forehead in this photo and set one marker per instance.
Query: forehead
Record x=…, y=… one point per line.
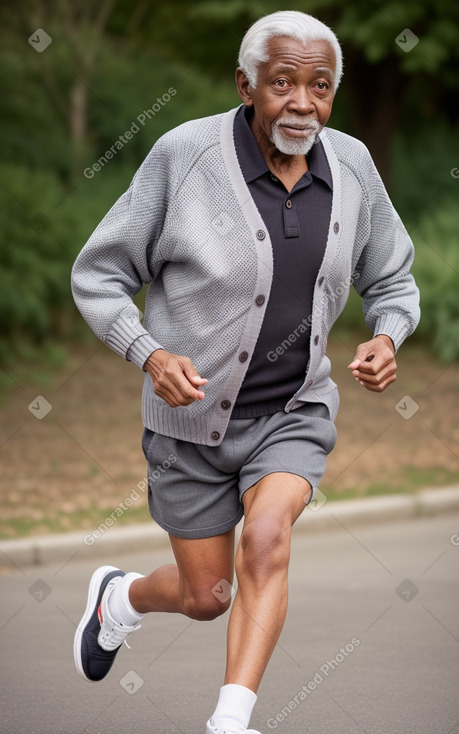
x=283, y=50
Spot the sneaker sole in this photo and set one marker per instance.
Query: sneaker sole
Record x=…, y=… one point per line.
x=94, y=587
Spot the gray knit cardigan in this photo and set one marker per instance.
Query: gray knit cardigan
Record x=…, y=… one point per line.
x=189, y=227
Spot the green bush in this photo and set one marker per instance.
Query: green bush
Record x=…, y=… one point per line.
x=421, y=171
x=32, y=276
x=44, y=227
x=436, y=269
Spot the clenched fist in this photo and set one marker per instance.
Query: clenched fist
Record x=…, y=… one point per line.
x=374, y=364
x=175, y=378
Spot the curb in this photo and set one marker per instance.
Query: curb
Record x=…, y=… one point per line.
x=62, y=548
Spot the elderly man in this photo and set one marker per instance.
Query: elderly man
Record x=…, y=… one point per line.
x=249, y=227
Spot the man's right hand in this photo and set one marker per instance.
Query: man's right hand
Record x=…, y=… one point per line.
x=175, y=378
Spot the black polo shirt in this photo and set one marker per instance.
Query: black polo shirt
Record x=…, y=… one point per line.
x=297, y=223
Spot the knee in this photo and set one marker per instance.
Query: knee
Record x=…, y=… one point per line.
x=204, y=606
x=264, y=549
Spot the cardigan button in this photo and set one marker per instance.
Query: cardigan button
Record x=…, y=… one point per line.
x=215, y=435
x=261, y=234
x=316, y=339
x=243, y=357
x=309, y=383
x=321, y=279
x=336, y=227
x=259, y=300
x=225, y=404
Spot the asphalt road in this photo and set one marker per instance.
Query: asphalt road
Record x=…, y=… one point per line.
x=370, y=645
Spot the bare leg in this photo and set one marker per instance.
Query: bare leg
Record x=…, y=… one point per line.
x=257, y=617
x=186, y=586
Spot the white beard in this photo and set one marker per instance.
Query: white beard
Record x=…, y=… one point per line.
x=290, y=146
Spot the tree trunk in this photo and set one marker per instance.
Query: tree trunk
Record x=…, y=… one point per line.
x=375, y=94
x=84, y=15
x=78, y=119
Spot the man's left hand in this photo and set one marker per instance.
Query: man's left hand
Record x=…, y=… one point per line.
x=374, y=364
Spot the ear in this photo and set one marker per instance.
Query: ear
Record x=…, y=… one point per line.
x=243, y=87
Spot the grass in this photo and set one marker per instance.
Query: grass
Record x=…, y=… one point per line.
x=411, y=479
x=44, y=521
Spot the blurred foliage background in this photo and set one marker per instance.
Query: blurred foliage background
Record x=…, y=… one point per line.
x=63, y=107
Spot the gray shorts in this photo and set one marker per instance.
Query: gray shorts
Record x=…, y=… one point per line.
x=195, y=491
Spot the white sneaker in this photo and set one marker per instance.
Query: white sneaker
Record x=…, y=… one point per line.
x=112, y=634
x=210, y=729
x=98, y=637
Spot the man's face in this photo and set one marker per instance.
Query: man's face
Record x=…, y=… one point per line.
x=294, y=94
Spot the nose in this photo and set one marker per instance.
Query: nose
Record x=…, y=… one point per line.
x=301, y=101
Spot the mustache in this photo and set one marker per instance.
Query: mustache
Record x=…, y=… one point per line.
x=300, y=124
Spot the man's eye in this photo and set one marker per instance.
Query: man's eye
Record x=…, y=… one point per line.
x=281, y=83
x=322, y=86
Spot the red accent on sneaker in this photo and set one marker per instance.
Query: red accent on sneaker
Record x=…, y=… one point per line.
x=99, y=613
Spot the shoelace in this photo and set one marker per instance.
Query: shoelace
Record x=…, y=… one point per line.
x=118, y=635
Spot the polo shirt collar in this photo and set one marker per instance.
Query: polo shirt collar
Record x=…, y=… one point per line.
x=251, y=159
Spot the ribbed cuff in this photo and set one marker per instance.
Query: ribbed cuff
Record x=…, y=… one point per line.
x=128, y=336
x=140, y=350
x=393, y=325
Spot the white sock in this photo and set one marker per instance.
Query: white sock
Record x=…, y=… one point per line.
x=119, y=605
x=234, y=708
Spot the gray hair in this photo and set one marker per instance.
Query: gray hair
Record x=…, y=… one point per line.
x=291, y=23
